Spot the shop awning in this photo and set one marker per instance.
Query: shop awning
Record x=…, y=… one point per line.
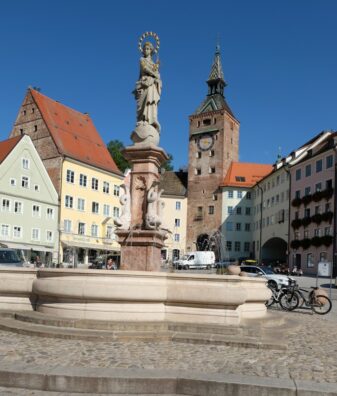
x=38, y=248
x=83, y=245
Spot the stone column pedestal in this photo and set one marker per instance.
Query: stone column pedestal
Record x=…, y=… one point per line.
x=141, y=247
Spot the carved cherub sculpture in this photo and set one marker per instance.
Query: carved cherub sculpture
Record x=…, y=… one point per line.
x=155, y=205
x=124, y=220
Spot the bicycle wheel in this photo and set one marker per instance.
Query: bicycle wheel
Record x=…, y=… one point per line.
x=301, y=299
x=271, y=301
x=321, y=305
x=289, y=301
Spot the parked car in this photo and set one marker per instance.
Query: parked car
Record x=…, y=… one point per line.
x=9, y=258
x=224, y=263
x=274, y=280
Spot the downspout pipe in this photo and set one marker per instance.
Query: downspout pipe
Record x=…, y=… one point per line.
x=261, y=216
x=286, y=168
x=334, y=258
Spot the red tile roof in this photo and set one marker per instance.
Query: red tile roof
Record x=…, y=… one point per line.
x=6, y=146
x=243, y=174
x=74, y=133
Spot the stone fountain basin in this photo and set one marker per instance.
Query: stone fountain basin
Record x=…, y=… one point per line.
x=134, y=295
x=149, y=296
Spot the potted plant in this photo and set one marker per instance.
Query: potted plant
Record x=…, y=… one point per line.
x=327, y=240
x=295, y=244
x=328, y=193
x=307, y=199
x=316, y=241
x=305, y=243
x=296, y=202
x=327, y=216
x=306, y=221
x=316, y=218
x=296, y=223
x=317, y=196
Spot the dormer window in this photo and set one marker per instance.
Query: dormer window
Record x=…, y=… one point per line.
x=240, y=178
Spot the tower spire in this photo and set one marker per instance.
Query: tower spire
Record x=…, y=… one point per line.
x=216, y=80
x=215, y=99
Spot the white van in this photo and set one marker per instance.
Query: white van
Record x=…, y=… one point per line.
x=196, y=260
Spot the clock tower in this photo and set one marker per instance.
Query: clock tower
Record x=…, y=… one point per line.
x=213, y=145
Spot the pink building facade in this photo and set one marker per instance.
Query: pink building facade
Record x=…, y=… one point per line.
x=312, y=207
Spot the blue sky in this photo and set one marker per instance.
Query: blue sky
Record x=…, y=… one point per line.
x=279, y=60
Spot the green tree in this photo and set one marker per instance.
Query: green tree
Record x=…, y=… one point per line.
x=167, y=165
x=115, y=148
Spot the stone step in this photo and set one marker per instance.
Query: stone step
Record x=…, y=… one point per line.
x=28, y=392
x=273, y=320
x=9, y=324
x=43, y=326
x=74, y=380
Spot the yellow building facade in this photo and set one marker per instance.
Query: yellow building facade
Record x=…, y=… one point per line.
x=89, y=200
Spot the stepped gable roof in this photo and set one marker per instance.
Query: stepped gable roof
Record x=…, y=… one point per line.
x=244, y=174
x=6, y=146
x=74, y=133
x=174, y=183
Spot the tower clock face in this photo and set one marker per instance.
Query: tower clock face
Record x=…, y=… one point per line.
x=205, y=142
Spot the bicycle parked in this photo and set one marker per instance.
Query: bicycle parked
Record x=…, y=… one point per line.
x=285, y=296
x=318, y=303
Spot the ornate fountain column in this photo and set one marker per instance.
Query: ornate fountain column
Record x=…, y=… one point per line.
x=139, y=226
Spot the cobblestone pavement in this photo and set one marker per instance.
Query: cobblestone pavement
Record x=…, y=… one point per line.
x=312, y=353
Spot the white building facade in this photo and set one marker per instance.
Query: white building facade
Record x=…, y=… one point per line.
x=29, y=202
x=270, y=217
x=237, y=208
x=174, y=196
x=236, y=223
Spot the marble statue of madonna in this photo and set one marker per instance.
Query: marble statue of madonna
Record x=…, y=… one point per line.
x=148, y=88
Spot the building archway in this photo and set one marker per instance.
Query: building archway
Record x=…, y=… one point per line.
x=274, y=250
x=202, y=242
